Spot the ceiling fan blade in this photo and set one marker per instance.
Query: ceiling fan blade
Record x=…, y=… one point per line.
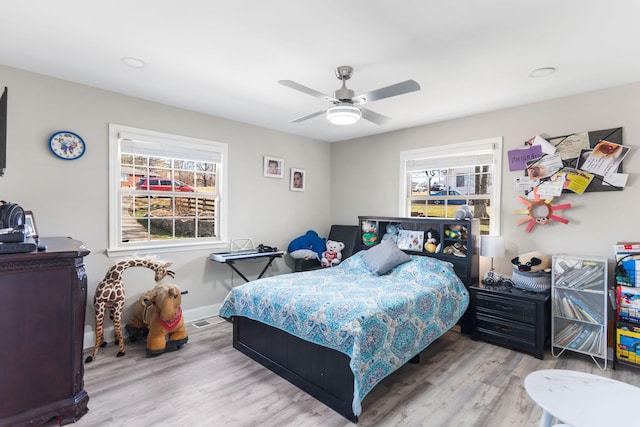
x=307, y=90
x=374, y=117
x=308, y=116
x=386, y=92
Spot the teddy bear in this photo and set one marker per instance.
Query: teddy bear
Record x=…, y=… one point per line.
x=159, y=310
x=333, y=255
x=369, y=230
x=308, y=246
x=392, y=231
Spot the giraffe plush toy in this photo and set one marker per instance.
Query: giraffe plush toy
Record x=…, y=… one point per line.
x=110, y=296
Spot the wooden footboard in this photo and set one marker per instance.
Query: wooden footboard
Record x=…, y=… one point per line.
x=322, y=372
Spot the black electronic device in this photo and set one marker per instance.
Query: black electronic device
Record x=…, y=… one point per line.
x=11, y=215
x=265, y=248
x=10, y=235
x=29, y=245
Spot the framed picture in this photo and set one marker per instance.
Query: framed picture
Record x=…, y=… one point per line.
x=30, y=224
x=273, y=167
x=298, y=179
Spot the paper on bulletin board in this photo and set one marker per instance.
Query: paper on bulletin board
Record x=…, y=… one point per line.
x=576, y=180
x=605, y=158
x=524, y=183
x=571, y=146
x=544, y=167
x=545, y=146
x=518, y=158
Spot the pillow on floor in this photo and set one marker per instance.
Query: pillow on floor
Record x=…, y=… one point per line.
x=383, y=257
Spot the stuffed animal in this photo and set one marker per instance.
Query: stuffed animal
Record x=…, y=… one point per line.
x=464, y=212
x=369, y=230
x=432, y=244
x=307, y=246
x=392, y=231
x=456, y=231
x=452, y=234
x=333, y=255
x=160, y=312
x=110, y=297
x=532, y=262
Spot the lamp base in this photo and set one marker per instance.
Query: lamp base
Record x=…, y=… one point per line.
x=491, y=278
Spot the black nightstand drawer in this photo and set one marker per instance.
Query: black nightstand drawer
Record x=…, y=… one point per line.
x=511, y=318
x=509, y=330
x=508, y=308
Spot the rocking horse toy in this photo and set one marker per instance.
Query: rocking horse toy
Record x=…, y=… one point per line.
x=110, y=296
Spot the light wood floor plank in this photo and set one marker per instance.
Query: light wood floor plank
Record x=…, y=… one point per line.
x=458, y=382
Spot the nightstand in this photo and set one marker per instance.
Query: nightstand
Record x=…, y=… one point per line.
x=511, y=318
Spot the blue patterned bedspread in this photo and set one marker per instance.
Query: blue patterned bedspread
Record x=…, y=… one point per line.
x=380, y=322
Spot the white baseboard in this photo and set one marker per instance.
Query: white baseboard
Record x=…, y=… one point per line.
x=191, y=315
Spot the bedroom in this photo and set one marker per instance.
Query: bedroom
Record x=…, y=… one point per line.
x=71, y=198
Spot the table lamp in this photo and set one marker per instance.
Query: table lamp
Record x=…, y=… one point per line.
x=491, y=246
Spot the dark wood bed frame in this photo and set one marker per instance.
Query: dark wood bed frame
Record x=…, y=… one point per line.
x=322, y=372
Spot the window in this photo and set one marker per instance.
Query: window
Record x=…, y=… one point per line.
x=166, y=191
x=436, y=181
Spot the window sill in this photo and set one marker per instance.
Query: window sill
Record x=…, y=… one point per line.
x=142, y=250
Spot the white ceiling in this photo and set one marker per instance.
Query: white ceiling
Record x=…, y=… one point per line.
x=225, y=58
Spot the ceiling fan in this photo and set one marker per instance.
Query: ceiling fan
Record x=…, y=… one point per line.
x=347, y=109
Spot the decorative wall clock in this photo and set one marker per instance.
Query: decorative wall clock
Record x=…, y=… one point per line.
x=67, y=145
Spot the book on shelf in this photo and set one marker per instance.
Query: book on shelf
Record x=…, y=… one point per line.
x=567, y=310
x=593, y=313
x=626, y=247
x=579, y=339
x=566, y=335
x=588, y=275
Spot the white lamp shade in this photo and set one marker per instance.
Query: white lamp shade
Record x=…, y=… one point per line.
x=342, y=114
x=492, y=246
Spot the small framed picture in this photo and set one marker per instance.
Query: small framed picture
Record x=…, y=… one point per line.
x=298, y=179
x=30, y=224
x=273, y=167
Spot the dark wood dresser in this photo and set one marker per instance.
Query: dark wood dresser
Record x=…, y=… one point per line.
x=511, y=317
x=42, y=311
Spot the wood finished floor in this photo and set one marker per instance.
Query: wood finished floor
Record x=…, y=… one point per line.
x=459, y=382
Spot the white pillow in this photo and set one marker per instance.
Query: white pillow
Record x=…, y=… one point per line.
x=383, y=257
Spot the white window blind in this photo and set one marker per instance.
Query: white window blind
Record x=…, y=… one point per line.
x=161, y=147
x=484, y=154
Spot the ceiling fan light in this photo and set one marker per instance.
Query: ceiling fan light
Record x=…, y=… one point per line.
x=343, y=115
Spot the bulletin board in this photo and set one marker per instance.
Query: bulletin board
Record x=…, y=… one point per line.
x=573, y=146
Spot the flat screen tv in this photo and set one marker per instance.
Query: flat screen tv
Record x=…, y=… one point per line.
x=3, y=131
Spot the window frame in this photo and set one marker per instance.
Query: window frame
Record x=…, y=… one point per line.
x=451, y=151
x=118, y=248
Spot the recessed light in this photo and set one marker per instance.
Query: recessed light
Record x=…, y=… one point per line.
x=133, y=62
x=542, y=72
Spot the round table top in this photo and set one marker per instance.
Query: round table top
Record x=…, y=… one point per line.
x=581, y=399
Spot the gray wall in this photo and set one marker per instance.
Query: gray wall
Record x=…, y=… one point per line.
x=597, y=220
x=69, y=198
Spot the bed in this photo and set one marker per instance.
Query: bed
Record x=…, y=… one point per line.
x=337, y=332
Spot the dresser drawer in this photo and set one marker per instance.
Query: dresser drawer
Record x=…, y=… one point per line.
x=516, y=331
x=522, y=311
